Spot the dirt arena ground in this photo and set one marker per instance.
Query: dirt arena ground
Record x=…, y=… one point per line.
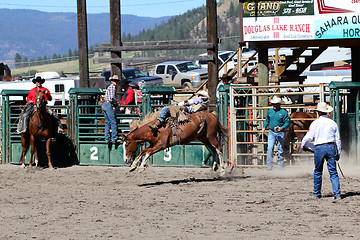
x=87, y=202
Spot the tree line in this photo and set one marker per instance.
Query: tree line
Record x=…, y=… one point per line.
x=21, y=61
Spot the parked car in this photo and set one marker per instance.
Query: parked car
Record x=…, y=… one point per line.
x=136, y=78
x=222, y=57
x=181, y=74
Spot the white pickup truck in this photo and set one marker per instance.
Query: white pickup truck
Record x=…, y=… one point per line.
x=181, y=74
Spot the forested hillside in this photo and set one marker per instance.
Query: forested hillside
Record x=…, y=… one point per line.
x=192, y=25
x=33, y=34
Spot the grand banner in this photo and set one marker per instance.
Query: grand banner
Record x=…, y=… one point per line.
x=301, y=20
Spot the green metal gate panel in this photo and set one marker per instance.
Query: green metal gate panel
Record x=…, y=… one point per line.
x=15, y=153
x=101, y=154
x=192, y=155
x=197, y=155
x=93, y=154
x=117, y=155
x=174, y=156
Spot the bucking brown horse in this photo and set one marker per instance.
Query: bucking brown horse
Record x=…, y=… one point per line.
x=41, y=126
x=203, y=126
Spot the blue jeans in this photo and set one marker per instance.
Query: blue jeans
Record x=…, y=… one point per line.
x=110, y=122
x=164, y=113
x=274, y=137
x=328, y=152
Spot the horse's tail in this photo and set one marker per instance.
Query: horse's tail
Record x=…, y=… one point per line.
x=222, y=130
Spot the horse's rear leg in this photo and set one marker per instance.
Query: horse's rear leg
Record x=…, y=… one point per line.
x=215, y=144
x=25, y=147
x=48, y=153
x=32, y=155
x=215, y=147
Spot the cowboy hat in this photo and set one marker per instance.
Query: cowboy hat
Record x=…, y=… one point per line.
x=114, y=78
x=276, y=100
x=38, y=79
x=202, y=93
x=124, y=81
x=323, y=107
x=225, y=77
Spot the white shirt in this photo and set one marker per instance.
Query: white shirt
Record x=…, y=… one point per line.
x=323, y=130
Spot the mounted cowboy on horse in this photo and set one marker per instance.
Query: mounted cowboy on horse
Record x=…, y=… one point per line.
x=25, y=115
x=201, y=102
x=37, y=122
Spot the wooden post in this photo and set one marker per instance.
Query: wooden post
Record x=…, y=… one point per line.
x=115, y=39
x=115, y=34
x=263, y=73
x=355, y=62
x=241, y=43
x=83, y=44
x=211, y=16
x=355, y=77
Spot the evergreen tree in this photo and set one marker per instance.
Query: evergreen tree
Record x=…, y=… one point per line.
x=18, y=60
x=232, y=12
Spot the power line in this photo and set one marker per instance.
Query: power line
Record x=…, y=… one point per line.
x=122, y=5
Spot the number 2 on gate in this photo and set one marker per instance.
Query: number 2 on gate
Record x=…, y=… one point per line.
x=94, y=151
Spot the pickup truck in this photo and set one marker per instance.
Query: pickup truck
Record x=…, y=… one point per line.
x=136, y=78
x=222, y=57
x=181, y=74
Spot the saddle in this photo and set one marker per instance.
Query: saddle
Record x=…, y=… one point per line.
x=180, y=115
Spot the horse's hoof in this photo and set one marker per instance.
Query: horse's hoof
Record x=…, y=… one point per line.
x=132, y=169
x=231, y=169
x=215, y=167
x=22, y=165
x=222, y=172
x=141, y=169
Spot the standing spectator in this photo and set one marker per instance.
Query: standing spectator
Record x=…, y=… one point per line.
x=325, y=133
x=277, y=119
x=128, y=97
x=224, y=80
x=108, y=108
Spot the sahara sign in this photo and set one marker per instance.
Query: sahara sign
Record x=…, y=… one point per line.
x=301, y=20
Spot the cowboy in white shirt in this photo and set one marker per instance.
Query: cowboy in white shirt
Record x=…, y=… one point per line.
x=325, y=133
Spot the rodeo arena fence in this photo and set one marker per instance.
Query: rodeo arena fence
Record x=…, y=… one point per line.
x=241, y=108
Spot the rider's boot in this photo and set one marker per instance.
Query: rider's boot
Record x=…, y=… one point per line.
x=154, y=128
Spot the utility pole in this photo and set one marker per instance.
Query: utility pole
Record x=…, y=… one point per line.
x=115, y=39
x=115, y=34
x=212, y=37
x=83, y=44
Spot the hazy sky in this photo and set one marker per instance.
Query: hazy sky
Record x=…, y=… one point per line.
x=148, y=8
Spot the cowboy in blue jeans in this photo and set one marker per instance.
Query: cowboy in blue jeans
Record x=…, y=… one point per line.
x=108, y=106
x=277, y=119
x=325, y=133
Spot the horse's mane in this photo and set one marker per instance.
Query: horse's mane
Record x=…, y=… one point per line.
x=148, y=118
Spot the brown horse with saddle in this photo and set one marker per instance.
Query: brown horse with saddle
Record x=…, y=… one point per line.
x=202, y=125
x=41, y=126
